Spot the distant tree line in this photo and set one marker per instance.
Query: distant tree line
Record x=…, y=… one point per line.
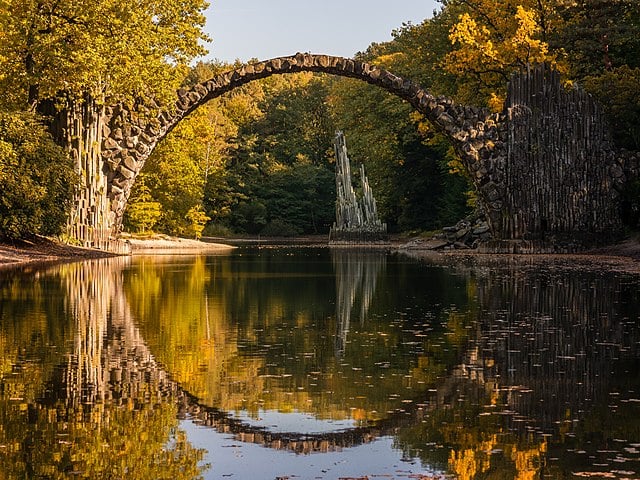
x=259, y=160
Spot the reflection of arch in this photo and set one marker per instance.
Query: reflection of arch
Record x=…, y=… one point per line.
x=111, y=362
x=131, y=136
x=292, y=441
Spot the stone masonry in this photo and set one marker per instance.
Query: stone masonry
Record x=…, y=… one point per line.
x=526, y=185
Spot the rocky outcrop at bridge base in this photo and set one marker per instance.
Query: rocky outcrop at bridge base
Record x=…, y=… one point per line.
x=473, y=234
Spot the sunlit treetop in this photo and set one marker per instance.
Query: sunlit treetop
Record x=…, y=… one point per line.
x=491, y=39
x=110, y=49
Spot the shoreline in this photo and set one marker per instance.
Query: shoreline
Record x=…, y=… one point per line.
x=45, y=250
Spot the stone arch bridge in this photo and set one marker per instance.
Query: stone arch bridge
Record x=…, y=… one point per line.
x=542, y=167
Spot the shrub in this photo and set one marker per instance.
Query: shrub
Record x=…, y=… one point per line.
x=280, y=228
x=37, y=177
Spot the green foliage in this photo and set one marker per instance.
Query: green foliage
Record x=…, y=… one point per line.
x=197, y=220
x=618, y=91
x=143, y=212
x=598, y=35
x=37, y=179
x=216, y=230
x=250, y=217
x=280, y=228
x=113, y=49
x=176, y=180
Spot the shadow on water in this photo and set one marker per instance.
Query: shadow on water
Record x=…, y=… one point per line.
x=479, y=369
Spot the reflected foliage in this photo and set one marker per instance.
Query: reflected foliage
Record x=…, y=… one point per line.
x=65, y=408
x=482, y=368
x=259, y=331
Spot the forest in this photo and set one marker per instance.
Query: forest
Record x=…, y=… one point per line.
x=259, y=160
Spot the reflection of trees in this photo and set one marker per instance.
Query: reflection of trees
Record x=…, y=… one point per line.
x=534, y=337
x=103, y=410
x=357, y=272
x=551, y=345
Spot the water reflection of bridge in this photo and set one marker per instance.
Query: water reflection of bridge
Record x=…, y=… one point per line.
x=110, y=361
x=542, y=337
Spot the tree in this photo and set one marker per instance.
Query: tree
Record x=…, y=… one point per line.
x=493, y=39
x=143, y=212
x=37, y=178
x=197, y=220
x=618, y=90
x=598, y=35
x=112, y=50
x=176, y=181
x=71, y=59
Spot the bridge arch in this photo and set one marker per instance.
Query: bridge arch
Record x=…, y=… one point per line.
x=130, y=136
x=544, y=169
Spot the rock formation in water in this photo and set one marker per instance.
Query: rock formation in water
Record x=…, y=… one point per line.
x=356, y=219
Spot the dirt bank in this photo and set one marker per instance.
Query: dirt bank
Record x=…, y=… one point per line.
x=41, y=249
x=172, y=245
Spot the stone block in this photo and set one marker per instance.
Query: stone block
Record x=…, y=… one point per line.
x=445, y=119
x=349, y=66
x=125, y=172
x=142, y=149
x=322, y=61
x=275, y=64
x=110, y=144
x=374, y=73
x=119, y=181
x=112, y=164
x=131, y=164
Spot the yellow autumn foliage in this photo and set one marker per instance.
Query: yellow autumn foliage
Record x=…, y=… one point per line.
x=492, y=39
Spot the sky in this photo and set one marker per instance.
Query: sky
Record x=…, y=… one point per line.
x=263, y=29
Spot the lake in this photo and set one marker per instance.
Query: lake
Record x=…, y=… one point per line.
x=318, y=363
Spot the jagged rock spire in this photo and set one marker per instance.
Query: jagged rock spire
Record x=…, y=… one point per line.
x=356, y=219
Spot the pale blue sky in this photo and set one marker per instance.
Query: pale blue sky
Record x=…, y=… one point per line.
x=244, y=29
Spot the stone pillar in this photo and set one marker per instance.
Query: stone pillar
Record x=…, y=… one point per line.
x=91, y=222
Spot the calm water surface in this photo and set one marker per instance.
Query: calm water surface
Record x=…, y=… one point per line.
x=316, y=363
